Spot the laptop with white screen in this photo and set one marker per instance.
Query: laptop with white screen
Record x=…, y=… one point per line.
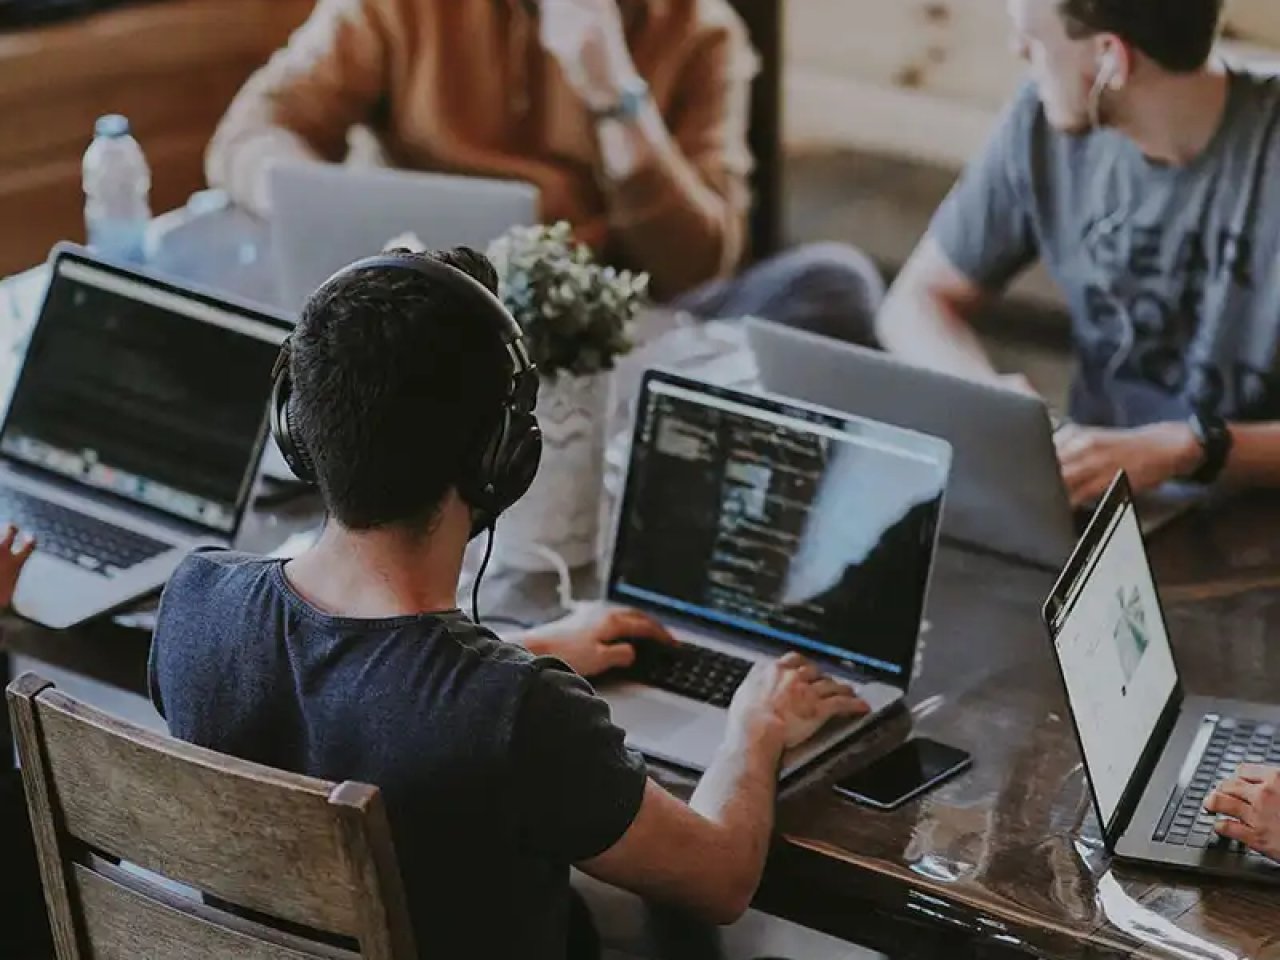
x=1152, y=753
x=133, y=433
x=753, y=526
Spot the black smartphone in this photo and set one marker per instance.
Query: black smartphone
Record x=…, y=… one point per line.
x=904, y=773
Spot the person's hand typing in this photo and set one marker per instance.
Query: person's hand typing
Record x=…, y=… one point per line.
x=1090, y=457
x=587, y=39
x=1251, y=803
x=593, y=638
x=790, y=699
x=15, y=550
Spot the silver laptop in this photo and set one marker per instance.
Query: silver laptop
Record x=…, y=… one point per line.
x=133, y=433
x=1152, y=753
x=1006, y=491
x=324, y=216
x=753, y=526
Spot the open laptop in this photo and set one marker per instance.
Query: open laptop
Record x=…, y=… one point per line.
x=133, y=433
x=753, y=526
x=1006, y=494
x=1006, y=490
x=1152, y=753
x=326, y=216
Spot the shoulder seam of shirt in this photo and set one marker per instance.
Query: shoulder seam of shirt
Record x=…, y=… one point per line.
x=456, y=632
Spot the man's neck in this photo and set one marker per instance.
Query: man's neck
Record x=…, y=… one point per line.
x=380, y=573
x=1174, y=117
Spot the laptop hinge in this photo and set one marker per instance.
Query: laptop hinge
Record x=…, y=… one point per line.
x=181, y=528
x=1143, y=771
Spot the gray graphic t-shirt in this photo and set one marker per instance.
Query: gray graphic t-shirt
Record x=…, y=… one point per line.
x=1170, y=272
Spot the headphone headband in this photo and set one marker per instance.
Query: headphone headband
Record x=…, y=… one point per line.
x=446, y=274
x=506, y=461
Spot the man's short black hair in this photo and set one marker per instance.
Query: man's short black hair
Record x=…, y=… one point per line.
x=1177, y=34
x=396, y=385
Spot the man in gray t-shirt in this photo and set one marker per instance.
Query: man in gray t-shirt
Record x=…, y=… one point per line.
x=1148, y=182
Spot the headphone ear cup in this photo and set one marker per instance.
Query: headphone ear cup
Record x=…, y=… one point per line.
x=505, y=470
x=522, y=455
x=303, y=465
x=283, y=429
x=476, y=486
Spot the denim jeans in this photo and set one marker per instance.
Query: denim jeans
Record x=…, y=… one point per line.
x=825, y=288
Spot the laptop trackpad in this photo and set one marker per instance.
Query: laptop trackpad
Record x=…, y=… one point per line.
x=658, y=719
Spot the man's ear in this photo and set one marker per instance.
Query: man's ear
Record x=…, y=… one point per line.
x=1115, y=63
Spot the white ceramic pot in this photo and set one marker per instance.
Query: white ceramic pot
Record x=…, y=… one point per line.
x=561, y=511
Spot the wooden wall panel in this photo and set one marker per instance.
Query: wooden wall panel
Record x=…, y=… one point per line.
x=927, y=78
x=920, y=78
x=172, y=66
x=1254, y=21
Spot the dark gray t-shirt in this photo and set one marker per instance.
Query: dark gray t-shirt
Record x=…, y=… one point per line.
x=498, y=769
x=1185, y=257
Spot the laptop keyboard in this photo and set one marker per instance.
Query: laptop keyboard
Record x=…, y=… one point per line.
x=698, y=673
x=1185, y=822
x=92, y=544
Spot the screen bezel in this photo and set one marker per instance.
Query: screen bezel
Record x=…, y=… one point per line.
x=859, y=785
x=64, y=252
x=938, y=448
x=1118, y=498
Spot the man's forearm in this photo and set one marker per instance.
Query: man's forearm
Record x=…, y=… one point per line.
x=242, y=167
x=919, y=327
x=669, y=220
x=1255, y=455
x=737, y=793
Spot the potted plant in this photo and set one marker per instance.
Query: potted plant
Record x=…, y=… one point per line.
x=577, y=317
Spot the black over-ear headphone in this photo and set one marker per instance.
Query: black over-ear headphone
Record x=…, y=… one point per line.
x=503, y=466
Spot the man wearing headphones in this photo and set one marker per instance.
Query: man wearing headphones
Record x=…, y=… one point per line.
x=1148, y=181
x=406, y=394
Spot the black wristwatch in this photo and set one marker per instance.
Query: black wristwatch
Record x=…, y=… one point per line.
x=1215, y=441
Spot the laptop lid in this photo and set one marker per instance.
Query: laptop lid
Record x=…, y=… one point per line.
x=1111, y=644
x=775, y=521
x=1006, y=494
x=145, y=392
x=325, y=216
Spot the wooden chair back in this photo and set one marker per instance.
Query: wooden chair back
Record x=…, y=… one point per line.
x=280, y=866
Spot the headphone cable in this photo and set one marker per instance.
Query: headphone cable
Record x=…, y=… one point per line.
x=484, y=565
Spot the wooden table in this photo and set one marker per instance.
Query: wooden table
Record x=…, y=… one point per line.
x=1005, y=861
x=1008, y=860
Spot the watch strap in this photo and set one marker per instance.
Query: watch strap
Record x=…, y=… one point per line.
x=1214, y=436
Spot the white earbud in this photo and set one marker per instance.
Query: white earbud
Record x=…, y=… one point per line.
x=1108, y=73
x=1108, y=70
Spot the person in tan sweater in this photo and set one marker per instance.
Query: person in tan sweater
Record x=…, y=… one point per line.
x=629, y=116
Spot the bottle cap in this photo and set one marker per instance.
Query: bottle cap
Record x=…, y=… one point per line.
x=111, y=126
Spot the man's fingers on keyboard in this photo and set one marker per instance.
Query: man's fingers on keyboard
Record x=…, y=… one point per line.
x=827, y=687
x=639, y=624
x=809, y=674
x=1241, y=790
x=617, y=656
x=1235, y=830
x=792, y=661
x=1254, y=772
x=1227, y=805
x=843, y=705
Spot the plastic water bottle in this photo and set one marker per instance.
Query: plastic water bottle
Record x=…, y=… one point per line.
x=117, y=182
